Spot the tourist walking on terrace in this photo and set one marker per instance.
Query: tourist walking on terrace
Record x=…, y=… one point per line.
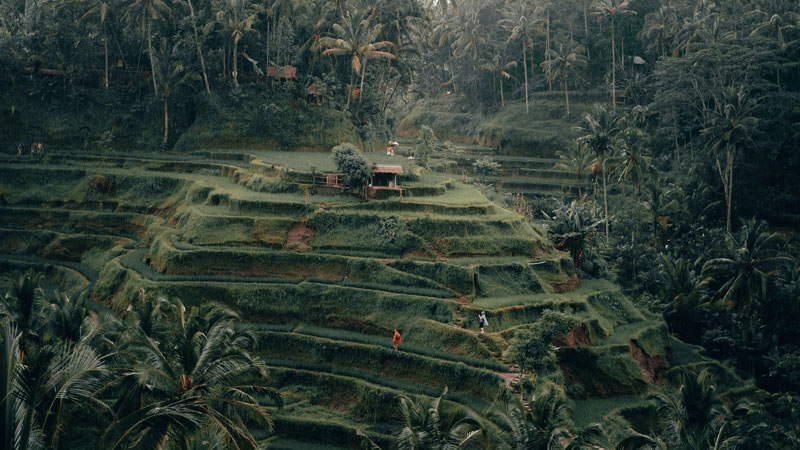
x=482, y=322
x=396, y=339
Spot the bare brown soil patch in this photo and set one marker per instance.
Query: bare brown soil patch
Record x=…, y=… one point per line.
x=299, y=233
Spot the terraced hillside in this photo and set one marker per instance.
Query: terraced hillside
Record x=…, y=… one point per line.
x=324, y=278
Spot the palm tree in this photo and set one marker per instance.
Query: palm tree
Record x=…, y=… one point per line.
x=545, y=426
x=566, y=61
x=23, y=304
x=633, y=162
x=101, y=8
x=520, y=21
x=570, y=226
x=38, y=398
x=575, y=160
x=511, y=417
x=609, y=10
x=357, y=39
x=601, y=126
x=741, y=275
x=426, y=426
x=469, y=36
x=546, y=5
x=548, y=421
x=317, y=14
x=172, y=74
x=499, y=68
x=193, y=374
x=197, y=44
x=661, y=204
x=694, y=417
x=730, y=125
x=776, y=26
x=141, y=14
x=236, y=19
x=658, y=29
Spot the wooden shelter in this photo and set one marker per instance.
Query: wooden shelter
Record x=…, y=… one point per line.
x=384, y=178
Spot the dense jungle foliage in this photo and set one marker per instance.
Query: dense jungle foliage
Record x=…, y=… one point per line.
x=688, y=126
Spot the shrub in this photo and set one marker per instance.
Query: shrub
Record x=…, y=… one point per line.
x=352, y=164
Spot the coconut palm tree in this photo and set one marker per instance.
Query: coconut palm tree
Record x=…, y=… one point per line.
x=198, y=46
x=601, y=125
x=40, y=397
x=193, y=374
x=317, y=16
x=694, y=417
x=662, y=204
x=23, y=304
x=520, y=21
x=235, y=19
x=468, y=36
x=658, y=30
x=545, y=426
x=569, y=60
x=610, y=10
x=140, y=14
x=778, y=27
x=577, y=160
x=741, y=275
x=499, y=68
x=633, y=162
x=428, y=426
x=101, y=9
x=731, y=123
x=357, y=39
x=171, y=74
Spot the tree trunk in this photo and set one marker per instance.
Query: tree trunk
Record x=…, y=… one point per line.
x=566, y=94
x=586, y=27
x=225, y=62
x=525, y=66
x=605, y=194
x=730, y=187
x=502, y=97
x=105, y=47
x=235, y=53
x=613, y=72
x=547, y=48
x=199, y=51
x=361, y=87
x=166, y=119
x=349, y=94
x=152, y=63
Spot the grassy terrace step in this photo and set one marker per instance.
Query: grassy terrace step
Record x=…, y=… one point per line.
x=81, y=155
x=59, y=246
x=540, y=173
x=378, y=341
x=293, y=369
x=508, y=162
x=118, y=224
x=282, y=300
x=86, y=273
x=329, y=403
x=210, y=225
x=328, y=269
x=532, y=181
x=133, y=261
x=380, y=361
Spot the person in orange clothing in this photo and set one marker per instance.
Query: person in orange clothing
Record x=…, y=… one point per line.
x=396, y=339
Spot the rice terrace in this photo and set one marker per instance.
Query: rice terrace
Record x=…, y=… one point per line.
x=495, y=224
